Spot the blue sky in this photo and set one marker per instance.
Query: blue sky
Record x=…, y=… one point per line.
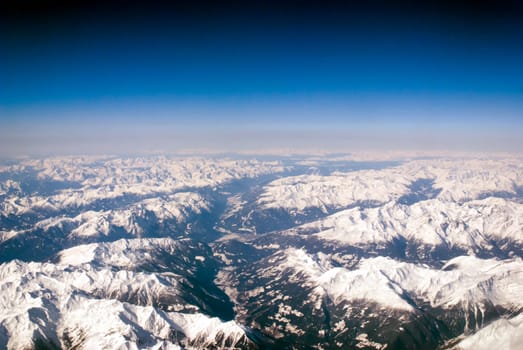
x=77, y=79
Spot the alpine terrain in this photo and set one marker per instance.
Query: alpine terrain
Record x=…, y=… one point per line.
x=226, y=251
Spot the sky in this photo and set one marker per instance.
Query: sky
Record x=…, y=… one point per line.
x=153, y=77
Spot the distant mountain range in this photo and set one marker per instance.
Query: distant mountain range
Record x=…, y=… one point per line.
x=295, y=252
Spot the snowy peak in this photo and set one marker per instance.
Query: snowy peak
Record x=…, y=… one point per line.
x=124, y=253
x=302, y=252
x=396, y=285
x=505, y=333
x=448, y=180
x=98, y=304
x=472, y=226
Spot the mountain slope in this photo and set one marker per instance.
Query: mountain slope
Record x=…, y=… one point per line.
x=475, y=227
x=109, y=294
x=294, y=252
x=411, y=302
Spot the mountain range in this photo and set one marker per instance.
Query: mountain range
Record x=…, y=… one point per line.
x=252, y=252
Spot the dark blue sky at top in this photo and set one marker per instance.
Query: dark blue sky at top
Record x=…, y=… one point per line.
x=337, y=65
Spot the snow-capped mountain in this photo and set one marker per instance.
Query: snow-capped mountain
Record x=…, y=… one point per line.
x=174, y=215
x=177, y=208
x=290, y=252
x=130, y=293
x=464, y=294
x=55, y=184
x=485, y=226
x=455, y=181
x=505, y=333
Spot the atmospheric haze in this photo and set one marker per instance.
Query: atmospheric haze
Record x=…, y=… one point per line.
x=91, y=78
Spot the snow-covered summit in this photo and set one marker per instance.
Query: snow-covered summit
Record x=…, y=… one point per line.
x=84, y=180
x=86, y=305
x=456, y=180
x=301, y=252
x=385, y=281
x=505, y=333
x=473, y=225
x=126, y=253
